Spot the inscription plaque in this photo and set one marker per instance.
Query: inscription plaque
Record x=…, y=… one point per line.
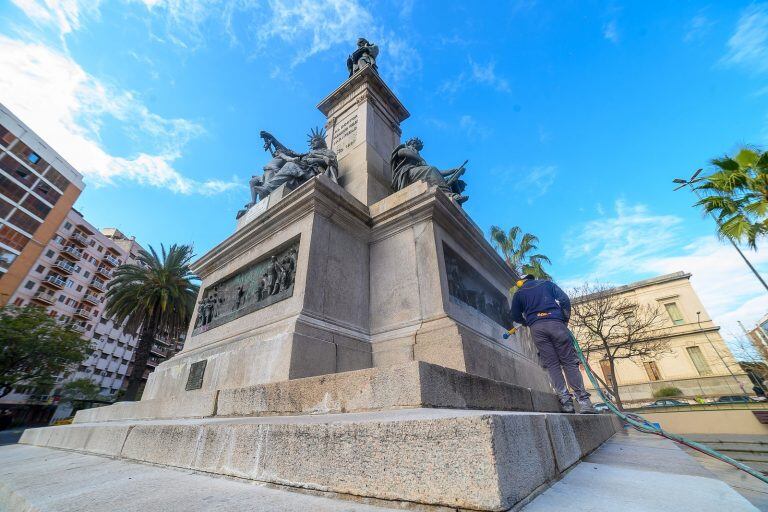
x=468, y=287
x=196, y=373
x=344, y=135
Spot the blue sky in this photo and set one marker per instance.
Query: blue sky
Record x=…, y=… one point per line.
x=575, y=116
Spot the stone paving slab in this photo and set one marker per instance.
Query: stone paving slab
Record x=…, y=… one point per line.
x=34, y=479
x=635, y=472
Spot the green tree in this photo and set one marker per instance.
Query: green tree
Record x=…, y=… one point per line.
x=154, y=297
x=516, y=248
x=80, y=389
x=737, y=195
x=34, y=348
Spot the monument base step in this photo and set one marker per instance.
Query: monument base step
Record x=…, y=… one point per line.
x=481, y=460
x=409, y=385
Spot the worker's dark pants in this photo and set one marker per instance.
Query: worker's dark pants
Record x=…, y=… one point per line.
x=558, y=357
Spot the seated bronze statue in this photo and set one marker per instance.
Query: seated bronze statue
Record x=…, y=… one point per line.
x=409, y=167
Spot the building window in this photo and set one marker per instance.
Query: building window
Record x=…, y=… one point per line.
x=12, y=238
x=40, y=269
x=6, y=258
x=5, y=208
x=57, y=179
x=701, y=364
x=24, y=221
x=36, y=206
x=91, y=243
x=10, y=190
x=6, y=136
x=33, y=157
x=674, y=313
x=29, y=285
x=652, y=370
x=67, y=226
x=61, y=298
x=18, y=302
x=605, y=365
x=87, y=274
x=79, y=288
x=49, y=253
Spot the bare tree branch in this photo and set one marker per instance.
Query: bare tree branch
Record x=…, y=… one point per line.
x=610, y=326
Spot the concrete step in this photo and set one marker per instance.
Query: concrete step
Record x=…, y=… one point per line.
x=410, y=385
x=482, y=460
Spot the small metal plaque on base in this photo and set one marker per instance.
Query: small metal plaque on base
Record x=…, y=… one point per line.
x=196, y=372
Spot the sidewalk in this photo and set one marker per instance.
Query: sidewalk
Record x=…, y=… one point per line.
x=635, y=472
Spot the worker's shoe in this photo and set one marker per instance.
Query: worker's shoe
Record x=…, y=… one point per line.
x=567, y=407
x=586, y=407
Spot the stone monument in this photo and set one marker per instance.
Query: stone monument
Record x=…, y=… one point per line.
x=348, y=336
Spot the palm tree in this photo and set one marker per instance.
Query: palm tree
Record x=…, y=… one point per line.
x=154, y=297
x=516, y=248
x=737, y=195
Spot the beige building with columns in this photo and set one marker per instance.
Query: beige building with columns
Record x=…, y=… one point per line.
x=698, y=362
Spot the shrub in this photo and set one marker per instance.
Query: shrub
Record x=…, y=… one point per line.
x=667, y=392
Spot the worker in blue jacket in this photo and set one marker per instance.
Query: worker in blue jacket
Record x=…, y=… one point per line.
x=546, y=309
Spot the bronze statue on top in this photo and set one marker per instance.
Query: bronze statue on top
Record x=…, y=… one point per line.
x=409, y=167
x=291, y=168
x=364, y=56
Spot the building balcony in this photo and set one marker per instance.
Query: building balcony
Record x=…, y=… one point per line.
x=84, y=313
x=44, y=297
x=98, y=285
x=153, y=362
x=110, y=260
x=79, y=239
x=55, y=281
x=104, y=271
x=63, y=266
x=71, y=252
x=91, y=299
x=78, y=328
x=158, y=350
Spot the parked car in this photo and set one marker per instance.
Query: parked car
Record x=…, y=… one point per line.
x=666, y=402
x=601, y=407
x=733, y=399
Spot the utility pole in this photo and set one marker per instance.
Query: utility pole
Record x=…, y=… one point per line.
x=689, y=183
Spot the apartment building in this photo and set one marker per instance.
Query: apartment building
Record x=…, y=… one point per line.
x=697, y=360
x=37, y=190
x=70, y=280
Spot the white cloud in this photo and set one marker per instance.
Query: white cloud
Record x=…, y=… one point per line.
x=64, y=15
x=748, y=46
x=537, y=182
x=68, y=107
x=635, y=243
x=486, y=74
x=618, y=245
x=611, y=31
x=311, y=26
x=481, y=74
x=473, y=128
x=726, y=286
x=698, y=27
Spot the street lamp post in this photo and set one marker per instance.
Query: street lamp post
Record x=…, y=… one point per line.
x=689, y=183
